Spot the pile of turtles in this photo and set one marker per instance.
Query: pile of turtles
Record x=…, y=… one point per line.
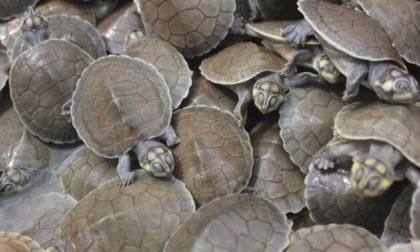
x=128, y=125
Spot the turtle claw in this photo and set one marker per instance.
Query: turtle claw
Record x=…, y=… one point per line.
x=127, y=178
x=323, y=163
x=297, y=32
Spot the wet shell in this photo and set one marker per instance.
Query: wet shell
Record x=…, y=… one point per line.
x=233, y=223
x=41, y=80
x=214, y=157
x=193, y=27
x=15, y=242
x=137, y=217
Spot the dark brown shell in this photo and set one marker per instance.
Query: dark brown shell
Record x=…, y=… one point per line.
x=168, y=61
x=192, y=27
x=350, y=31
x=239, y=63
x=274, y=176
x=334, y=237
x=233, y=223
x=306, y=121
x=12, y=8
x=137, y=217
x=10, y=241
x=214, y=157
x=401, y=21
x=118, y=102
x=41, y=80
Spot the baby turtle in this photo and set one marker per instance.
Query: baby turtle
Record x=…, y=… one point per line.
x=412, y=246
x=192, y=27
x=400, y=19
x=168, y=61
x=233, y=223
x=42, y=79
x=15, y=242
x=137, y=217
x=214, y=156
x=334, y=237
x=274, y=176
x=120, y=104
x=358, y=47
x=366, y=132
x=13, y=8
x=237, y=65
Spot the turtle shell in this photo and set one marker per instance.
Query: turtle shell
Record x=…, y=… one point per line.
x=137, y=217
x=334, y=237
x=413, y=246
x=233, y=223
x=306, y=121
x=12, y=8
x=4, y=68
x=84, y=171
x=192, y=27
x=401, y=21
x=396, y=125
x=41, y=80
x=214, y=157
x=118, y=102
x=274, y=176
x=239, y=63
x=168, y=61
x=10, y=241
x=414, y=214
x=349, y=31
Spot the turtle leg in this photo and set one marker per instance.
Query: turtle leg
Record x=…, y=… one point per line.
x=238, y=26
x=298, y=31
x=65, y=110
x=413, y=176
x=354, y=78
x=300, y=56
x=15, y=180
x=123, y=170
x=325, y=158
x=302, y=79
x=169, y=136
x=244, y=98
x=253, y=10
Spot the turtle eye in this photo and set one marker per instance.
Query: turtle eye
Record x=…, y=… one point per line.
x=260, y=98
x=374, y=184
x=401, y=86
x=273, y=101
x=157, y=167
x=8, y=188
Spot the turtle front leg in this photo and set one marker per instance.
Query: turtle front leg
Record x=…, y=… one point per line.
x=124, y=170
x=169, y=136
x=302, y=79
x=325, y=158
x=15, y=180
x=354, y=78
x=300, y=56
x=238, y=26
x=298, y=32
x=65, y=110
x=253, y=10
x=244, y=98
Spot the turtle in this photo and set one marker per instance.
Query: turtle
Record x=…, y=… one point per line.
x=358, y=47
x=274, y=176
x=306, y=121
x=22, y=155
x=214, y=156
x=137, y=217
x=15, y=242
x=333, y=237
x=115, y=27
x=121, y=104
x=412, y=246
x=13, y=8
x=168, y=61
x=4, y=68
x=233, y=223
x=383, y=141
x=192, y=27
x=41, y=80
x=237, y=65
x=401, y=22
x=203, y=92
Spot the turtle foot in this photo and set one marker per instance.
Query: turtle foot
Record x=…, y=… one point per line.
x=126, y=178
x=289, y=70
x=348, y=96
x=297, y=32
x=323, y=163
x=170, y=137
x=238, y=26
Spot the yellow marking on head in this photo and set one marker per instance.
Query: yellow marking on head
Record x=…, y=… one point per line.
x=369, y=193
x=328, y=77
x=15, y=177
x=377, y=83
x=370, y=161
x=381, y=168
x=387, y=86
x=402, y=97
x=29, y=22
x=385, y=183
x=356, y=166
x=322, y=63
x=417, y=104
x=159, y=150
x=19, y=188
x=151, y=155
x=281, y=98
x=37, y=21
x=147, y=167
x=395, y=73
x=255, y=91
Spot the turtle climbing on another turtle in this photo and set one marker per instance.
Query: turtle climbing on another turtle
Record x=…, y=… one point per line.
x=358, y=47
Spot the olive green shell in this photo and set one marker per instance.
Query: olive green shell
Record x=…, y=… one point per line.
x=396, y=125
x=349, y=31
x=214, y=157
x=413, y=246
x=331, y=199
x=84, y=171
x=12, y=8
x=401, y=21
x=239, y=63
x=397, y=223
x=168, y=61
x=137, y=217
x=10, y=242
x=278, y=9
x=204, y=92
x=118, y=102
x=415, y=214
x=193, y=27
x=233, y=223
x=115, y=27
x=306, y=121
x=4, y=68
x=41, y=80
x=334, y=237
x=274, y=176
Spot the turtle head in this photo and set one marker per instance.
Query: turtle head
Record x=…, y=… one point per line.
x=159, y=161
x=268, y=96
x=11, y=181
x=369, y=176
x=135, y=35
x=34, y=27
x=325, y=67
x=397, y=86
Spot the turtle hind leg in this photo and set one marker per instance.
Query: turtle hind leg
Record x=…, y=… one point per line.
x=300, y=56
x=124, y=170
x=325, y=158
x=298, y=32
x=15, y=180
x=169, y=136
